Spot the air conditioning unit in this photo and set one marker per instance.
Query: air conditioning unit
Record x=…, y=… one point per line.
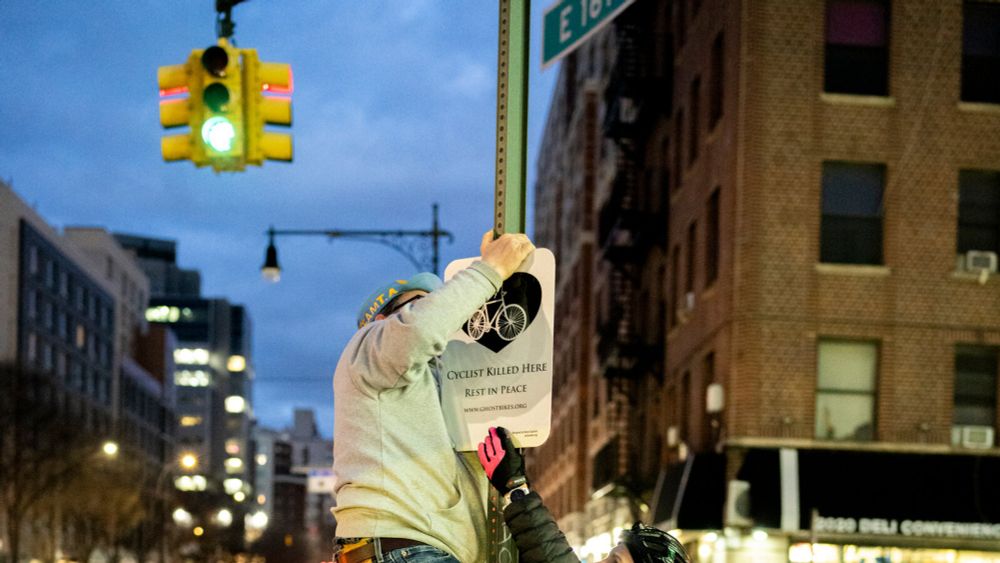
x=980, y=261
x=972, y=436
x=737, y=513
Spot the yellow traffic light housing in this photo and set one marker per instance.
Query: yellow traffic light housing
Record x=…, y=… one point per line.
x=226, y=97
x=268, y=102
x=176, y=100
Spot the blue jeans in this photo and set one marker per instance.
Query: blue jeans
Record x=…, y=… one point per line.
x=418, y=554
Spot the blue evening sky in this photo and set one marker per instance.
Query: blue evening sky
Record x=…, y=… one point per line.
x=394, y=109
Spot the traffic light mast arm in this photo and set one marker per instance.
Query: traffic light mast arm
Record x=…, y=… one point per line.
x=409, y=243
x=224, y=24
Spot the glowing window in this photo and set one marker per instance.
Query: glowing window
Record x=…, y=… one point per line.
x=232, y=447
x=190, y=420
x=261, y=459
x=236, y=363
x=163, y=314
x=232, y=486
x=234, y=464
x=191, y=356
x=189, y=378
x=235, y=404
x=191, y=483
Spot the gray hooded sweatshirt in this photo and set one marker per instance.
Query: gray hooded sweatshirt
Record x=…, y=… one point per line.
x=398, y=475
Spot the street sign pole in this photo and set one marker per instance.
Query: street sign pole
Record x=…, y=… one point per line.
x=512, y=117
x=510, y=189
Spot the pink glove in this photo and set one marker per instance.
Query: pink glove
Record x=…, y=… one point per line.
x=504, y=465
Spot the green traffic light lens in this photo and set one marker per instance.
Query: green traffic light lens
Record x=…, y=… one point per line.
x=216, y=96
x=218, y=133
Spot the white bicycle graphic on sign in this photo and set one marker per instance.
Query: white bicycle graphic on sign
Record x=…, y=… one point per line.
x=509, y=320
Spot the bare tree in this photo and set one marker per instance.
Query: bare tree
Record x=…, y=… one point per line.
x=104, y=503
x=41, y=446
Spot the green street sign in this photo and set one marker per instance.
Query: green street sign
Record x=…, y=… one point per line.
x=568, y=23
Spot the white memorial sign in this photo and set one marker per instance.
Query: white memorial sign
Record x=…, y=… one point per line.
x=497, y=370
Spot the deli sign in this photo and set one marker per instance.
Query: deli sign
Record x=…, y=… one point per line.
x=910, y=528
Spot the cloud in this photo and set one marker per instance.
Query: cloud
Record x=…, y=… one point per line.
x=394, y=110
x=472, y=80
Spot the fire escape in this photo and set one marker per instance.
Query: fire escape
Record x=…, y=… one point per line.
x=627, y=230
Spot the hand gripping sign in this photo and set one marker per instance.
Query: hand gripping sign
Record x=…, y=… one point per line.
x=497, y=370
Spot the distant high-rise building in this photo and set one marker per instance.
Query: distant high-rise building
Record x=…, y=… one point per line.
x=311, y=458
x=158, y=259
x=213, y=373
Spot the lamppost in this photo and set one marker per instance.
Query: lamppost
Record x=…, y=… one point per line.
x=407, y=243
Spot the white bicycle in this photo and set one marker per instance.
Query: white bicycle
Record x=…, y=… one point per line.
x=509, y=320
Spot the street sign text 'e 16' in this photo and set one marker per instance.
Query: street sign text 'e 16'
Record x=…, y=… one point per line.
x=568, y=23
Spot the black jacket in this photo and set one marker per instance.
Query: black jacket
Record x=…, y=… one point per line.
x=538, y=538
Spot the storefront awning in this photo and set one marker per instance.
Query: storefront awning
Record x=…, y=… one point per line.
x=875, y=493
x=690, y=495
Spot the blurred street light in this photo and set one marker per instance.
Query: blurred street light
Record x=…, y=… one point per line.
x=182, y=517
x=110, y=448
x=224, y=517
x=189, y=461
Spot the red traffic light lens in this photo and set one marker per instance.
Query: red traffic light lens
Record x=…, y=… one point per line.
x=215, y=59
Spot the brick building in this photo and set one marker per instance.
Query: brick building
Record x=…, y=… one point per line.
x=778, y=222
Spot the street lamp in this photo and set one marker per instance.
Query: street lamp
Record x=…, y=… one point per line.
x=110, y=448
x=407, y=243
x=189, y=461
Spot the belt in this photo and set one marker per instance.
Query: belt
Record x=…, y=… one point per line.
x=369, y=548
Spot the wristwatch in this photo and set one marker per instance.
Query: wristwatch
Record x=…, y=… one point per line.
x=516, y=494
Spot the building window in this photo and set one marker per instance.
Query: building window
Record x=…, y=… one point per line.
x=712, y=239
x=857, y=47
x=717, y=85
x=978, y=211
x=981, y=52
x=852, y=213
x=33, y=260
x=684, y=407
x=692, y=249
x=693, y=136
x=845, y=390
x=975, y=386
x=680, y=13
x=32, y=351
x=47, y=357
x=675, y=262
x=678, y=149
x=665, y=171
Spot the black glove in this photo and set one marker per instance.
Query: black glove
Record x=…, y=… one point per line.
x=504, y=465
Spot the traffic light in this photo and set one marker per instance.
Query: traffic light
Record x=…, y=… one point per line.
x=230, y=97
x=268, y=102
x=219, y=129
